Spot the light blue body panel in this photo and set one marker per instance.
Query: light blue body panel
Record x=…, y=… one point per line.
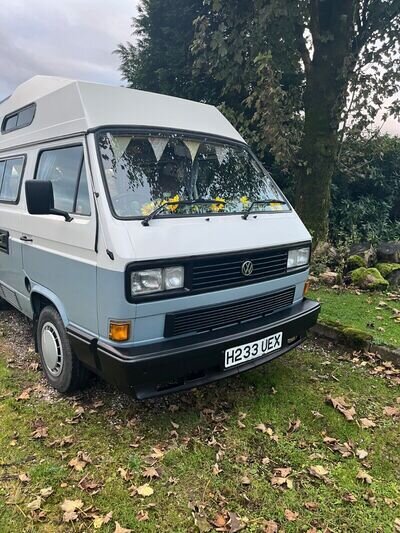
x=148, y=318
x=69, y=283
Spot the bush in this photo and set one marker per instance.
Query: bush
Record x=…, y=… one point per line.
x=366, y=191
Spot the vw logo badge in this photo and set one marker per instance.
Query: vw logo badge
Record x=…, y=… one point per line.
x=247, y=268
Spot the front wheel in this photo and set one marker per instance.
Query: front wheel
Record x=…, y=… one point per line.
x=62, y=368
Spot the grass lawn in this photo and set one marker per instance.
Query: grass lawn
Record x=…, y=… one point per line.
x=240, y=453
x=371, y=312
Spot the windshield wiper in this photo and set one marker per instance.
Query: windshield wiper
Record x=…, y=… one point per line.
x=160, y=208
x=262, y=202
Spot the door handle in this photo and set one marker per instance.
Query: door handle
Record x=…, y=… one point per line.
x=26, y=239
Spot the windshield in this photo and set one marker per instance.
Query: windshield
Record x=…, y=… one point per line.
x=144, y=171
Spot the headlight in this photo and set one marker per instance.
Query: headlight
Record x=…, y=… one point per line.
x=174, y=278
x=298, y=258
x=157, y=280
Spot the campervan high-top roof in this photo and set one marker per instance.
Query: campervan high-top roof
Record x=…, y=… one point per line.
x=65, y=107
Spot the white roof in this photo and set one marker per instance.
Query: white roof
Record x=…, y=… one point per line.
x=65, y=107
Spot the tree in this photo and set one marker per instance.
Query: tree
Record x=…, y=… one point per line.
x=306, y=69
x=161, y=60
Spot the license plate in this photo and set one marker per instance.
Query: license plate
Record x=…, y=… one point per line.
x=246, y=352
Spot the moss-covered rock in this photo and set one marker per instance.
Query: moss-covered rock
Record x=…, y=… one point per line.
x=368, y=278
x=354, y=262
x=387, y=268
x=352, y=337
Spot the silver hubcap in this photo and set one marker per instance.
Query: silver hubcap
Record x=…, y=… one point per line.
x=52, y=349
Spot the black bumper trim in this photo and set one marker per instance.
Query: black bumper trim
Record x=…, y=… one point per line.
x=179, y=364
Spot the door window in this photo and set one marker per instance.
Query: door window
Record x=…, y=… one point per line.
x=65, y=168
x=10, y=179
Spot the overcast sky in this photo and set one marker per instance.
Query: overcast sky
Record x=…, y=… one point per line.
x=70, y=38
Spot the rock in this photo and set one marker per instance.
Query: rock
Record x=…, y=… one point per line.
x=389, y=252
x=365, y=250
x=394, y=278
x=368, y=278
x=387, y=268
x=329, y=278
x=354, y=262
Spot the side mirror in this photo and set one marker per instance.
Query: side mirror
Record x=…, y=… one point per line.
x=40, y=199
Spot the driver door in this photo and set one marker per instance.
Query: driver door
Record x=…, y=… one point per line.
x=59, y=256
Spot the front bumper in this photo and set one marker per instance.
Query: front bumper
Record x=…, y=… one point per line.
x=178, y=364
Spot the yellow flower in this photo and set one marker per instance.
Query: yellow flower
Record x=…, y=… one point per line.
x=148, y=208
x=171, y=208
x=218, y=207
x=275, y=206
x=244, y=200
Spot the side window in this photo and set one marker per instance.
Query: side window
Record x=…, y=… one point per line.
x=65, y=168
x=19, y=119
x=10, y=178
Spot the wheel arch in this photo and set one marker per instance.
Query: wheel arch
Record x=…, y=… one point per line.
x=41, y=298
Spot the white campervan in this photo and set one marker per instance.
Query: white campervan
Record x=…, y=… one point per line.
x=144, y=239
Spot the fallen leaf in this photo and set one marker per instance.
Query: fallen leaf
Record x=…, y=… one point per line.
x=24, y=478
x=235, y=524
x=265, y=460
x=25, y=394
x=245, y=480
x=70, y=516
x=157, y=453
x=391, y=411
x=311, y=506
x=125, y=474
x=119, y=529
x=364, y=476
x=342, y=406
x=216, y=469
x=46, y=492
x=70, y=508
x=261, y=427
x=219, y=521
x=361, y=454
x=397, y=524
x=294, y=425
x=282, y=472
x=318, y=471
x=99, y=521
x=366, y=423
x=271, y=527
x=71, y=505
x=145, y=490
x=151, y=473
x=89, y=485
x=142, y=516
x=79, y=462
x=40, y=433
x=35, y=504
x=349, y=497
x=291, y=515
x=317, y=414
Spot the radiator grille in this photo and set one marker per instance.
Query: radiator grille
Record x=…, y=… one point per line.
x=223, y=272
x=214, y=317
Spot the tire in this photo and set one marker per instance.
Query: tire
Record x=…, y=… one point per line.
x=60, y=365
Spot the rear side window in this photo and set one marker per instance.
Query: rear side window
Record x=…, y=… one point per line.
x=19, y=119
x=10, y=179
x=65, y=168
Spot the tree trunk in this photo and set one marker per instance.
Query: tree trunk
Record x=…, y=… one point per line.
x=324, y=100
